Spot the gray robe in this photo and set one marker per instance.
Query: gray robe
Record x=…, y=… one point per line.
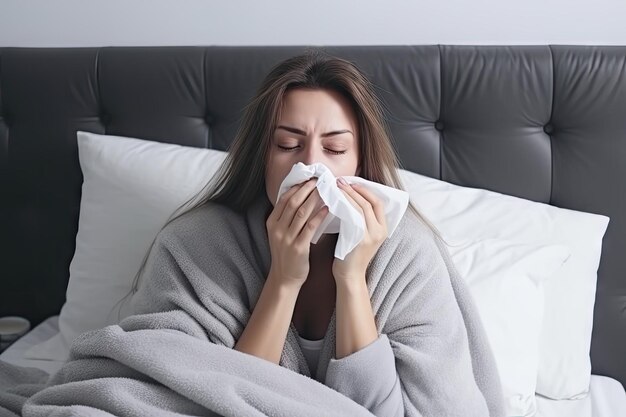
x=203, y=278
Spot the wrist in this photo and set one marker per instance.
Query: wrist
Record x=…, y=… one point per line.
x=282, y=286
x=351, y=284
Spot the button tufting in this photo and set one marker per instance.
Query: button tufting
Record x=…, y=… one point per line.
x=548, y=128
x=439, y=125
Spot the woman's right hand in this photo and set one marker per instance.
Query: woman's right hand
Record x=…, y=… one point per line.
x=290, y=227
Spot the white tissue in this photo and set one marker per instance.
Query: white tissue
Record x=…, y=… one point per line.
x=343, y=217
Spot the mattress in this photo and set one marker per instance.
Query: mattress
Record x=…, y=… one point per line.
x=606, y=396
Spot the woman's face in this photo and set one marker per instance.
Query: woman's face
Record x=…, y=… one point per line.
x=315, y=126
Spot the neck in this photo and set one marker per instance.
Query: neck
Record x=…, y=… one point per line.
x=325, y=246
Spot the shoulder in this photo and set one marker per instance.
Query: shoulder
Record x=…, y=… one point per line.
x=206, y=222
x=416, y=253
x=414, y=235
x=410, y=251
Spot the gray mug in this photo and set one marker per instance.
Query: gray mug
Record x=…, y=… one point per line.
x=11, y=329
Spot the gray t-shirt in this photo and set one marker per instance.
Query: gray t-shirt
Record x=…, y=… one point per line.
x=311, y=350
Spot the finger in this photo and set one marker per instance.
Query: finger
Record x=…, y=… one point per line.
x=353, y=202
x=377, y=204
x=374, y=229
x=366, y=207
x=303, y=214
x=282, y=201
x=311, y=226
x=295, y=201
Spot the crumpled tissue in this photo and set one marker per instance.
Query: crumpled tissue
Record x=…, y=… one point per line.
x=343, y=217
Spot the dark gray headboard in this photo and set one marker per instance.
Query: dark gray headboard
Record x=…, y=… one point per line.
x=546, y=123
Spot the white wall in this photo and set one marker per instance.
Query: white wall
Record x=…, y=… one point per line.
x=50, y=23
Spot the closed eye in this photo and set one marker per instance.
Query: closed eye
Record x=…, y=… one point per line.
x=293, y=148
x=285, y=148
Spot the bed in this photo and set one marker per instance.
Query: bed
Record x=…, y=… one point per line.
x=606, y=395
x=542, y=123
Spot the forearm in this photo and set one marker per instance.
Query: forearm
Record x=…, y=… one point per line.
x=266, y=331
x=356, y=327
x=364, y=369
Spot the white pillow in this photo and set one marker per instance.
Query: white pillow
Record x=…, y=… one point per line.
x=564, y=362
x=130, y=188
x=505, y=280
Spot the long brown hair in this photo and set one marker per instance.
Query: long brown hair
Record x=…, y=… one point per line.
x=241, y=178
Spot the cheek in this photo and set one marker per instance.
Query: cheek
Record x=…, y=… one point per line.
x=342, y=166
x=276, y=171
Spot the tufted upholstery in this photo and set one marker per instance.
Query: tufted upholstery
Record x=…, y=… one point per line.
x=546, y=123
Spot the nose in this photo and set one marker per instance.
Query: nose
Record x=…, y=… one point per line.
x=311, y=155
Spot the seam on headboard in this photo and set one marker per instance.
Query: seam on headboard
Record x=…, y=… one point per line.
x=440, y=113
x=2, y=103
x=209, y=143
x=5, y=116
x=98, y=98
x=550, y=121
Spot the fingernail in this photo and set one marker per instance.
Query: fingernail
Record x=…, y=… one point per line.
x=341, y=181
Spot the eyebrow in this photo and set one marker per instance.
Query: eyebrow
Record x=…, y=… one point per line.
x=303, y=133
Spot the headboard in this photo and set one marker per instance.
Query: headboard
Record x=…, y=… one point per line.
x=545, y=123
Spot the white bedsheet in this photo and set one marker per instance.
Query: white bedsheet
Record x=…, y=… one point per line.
x=44, y=331
x=606, y=396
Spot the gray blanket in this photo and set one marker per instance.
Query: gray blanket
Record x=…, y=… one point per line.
x=204, y=275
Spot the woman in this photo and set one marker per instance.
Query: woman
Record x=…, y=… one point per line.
x=315, y=124
x=309, y=109
x=390, y=328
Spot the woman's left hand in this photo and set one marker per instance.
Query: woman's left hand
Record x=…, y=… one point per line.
x=354, y=266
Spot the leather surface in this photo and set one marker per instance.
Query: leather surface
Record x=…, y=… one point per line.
x=545, y=123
